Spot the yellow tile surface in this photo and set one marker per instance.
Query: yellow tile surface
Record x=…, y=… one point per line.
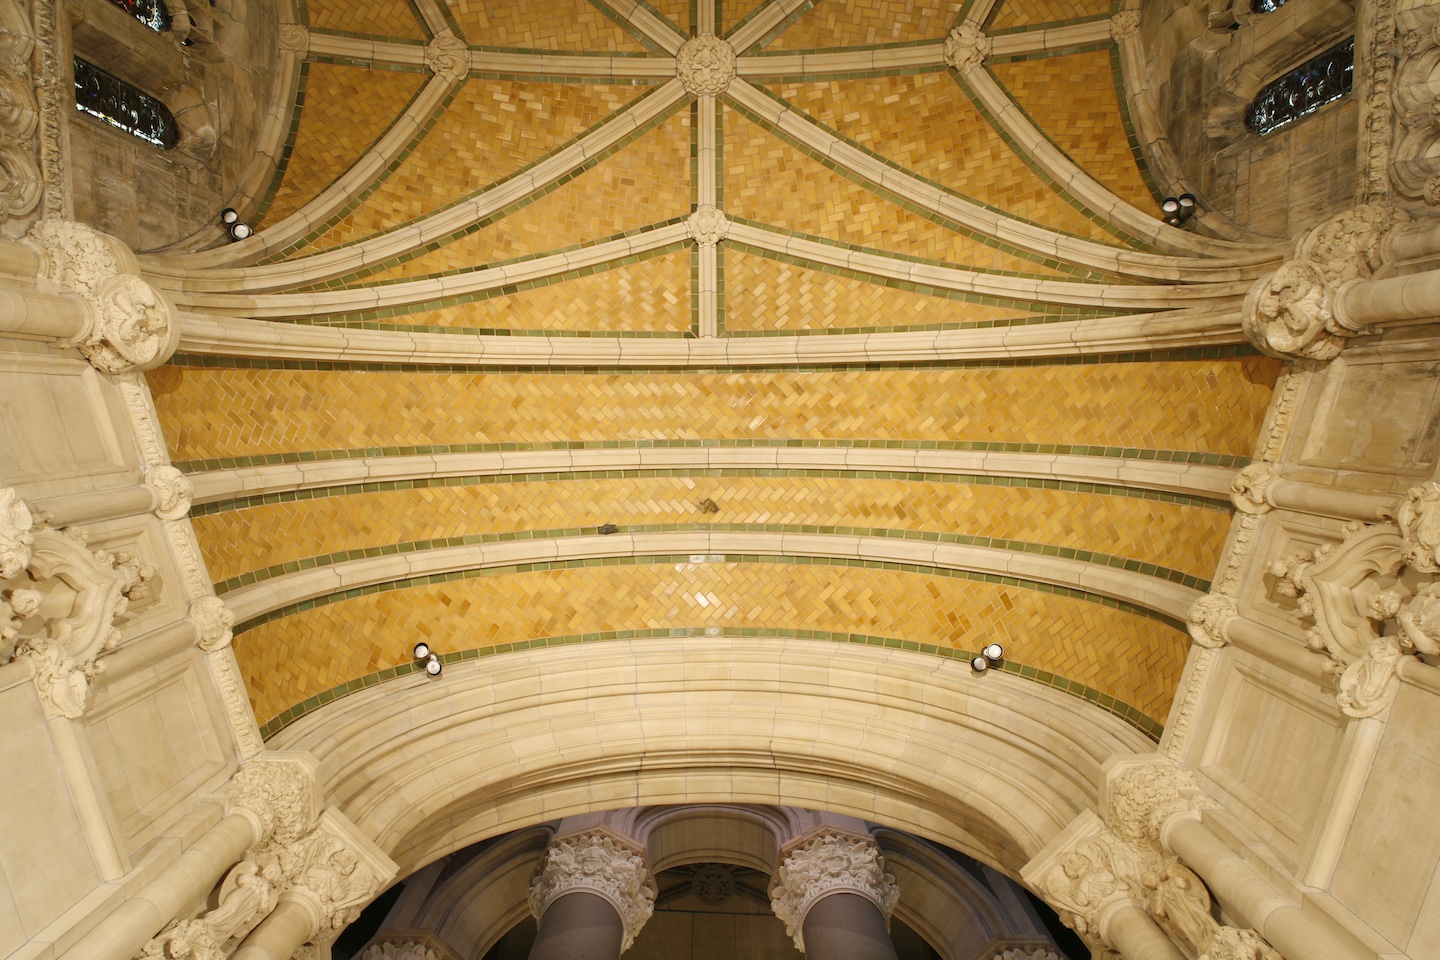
x=381, y=18
x=1212, y=406
x=653, y=295
x=764, y=294
x=735, y=11
x=346, y=110
x=490, y=130
x=1180, y=537
x=854, y=23
x=600, y=202
x=1029, y=13
x=769, y=181
x=1127, y=656
x=552, y=25
x=1073, y=100
x=676, y=11
x=927, y=124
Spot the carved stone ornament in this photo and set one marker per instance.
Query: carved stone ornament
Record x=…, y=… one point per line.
x=247, y=895
x=294, y=38
x=966, y=47
x=1039, y=953
x=215, y=621
x=16, y=523
x=1180, y=904
x=278, y=791
x=1288, y=313
x=21, y=183
x=334, y=876
x=184, y=940
x=76, y=258
x=828, y=862
x=1419, y=520
x=1089, y=871
x=1351, y=245
x=1207, y=617
x=1249, y=489
x=601, y=863
x=1124, y=25
x=1415, y=91
x=1144, y=793
x=448, y=56
x=705, y=65
x=173, y=492
x=399, y=950
x=707, y=226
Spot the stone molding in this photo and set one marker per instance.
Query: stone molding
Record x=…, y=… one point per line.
x=600, y=862
x=966, y=47
x=295, y=38
x=705, y=65
x=215, y=623
x=1250, y=490
x=707, y=226
x=1208, y=617
x=824, y=862
x=173, y=491
x=128, y=324
x=21, y=183
x=448, y=56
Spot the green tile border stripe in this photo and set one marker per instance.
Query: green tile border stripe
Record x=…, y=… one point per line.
x=336, y=366
x=277, y=177
x=854, y=48
x=629, y=27
x=920, y=536
x=1047, y=25
x=1131, y=715
x=740, y=473
x=758, y=45
x=963, y=446
x=1122, y=100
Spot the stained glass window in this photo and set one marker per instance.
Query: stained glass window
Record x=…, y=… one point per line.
x=124, y=106
x=153, y=13
x=1303, y=90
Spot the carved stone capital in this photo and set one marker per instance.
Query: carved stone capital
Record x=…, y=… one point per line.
x=966, y=47
x=599, y=862
x=1039, y=953
x=1088, y=871
x=705, y=65
x=825, y=862
x=215, y=621
x=294, y=38
x=707, y=226
x=399, y=950
x=173, y=492
x=75, y=258
x=1207, y=618
x=1352, y=245
x=16, y=524
x=278, y=791
x=1124, y=25
x=1142, y=794
x=337, y=870
x=1419, y=521
x=448, y=56
x=184, y=940
x=1250, y=489
x=1289, y=314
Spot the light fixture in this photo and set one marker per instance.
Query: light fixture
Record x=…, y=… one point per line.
x=422, y=650
x=229, y=216
x=433, y=666
x=979, y=664
x=993, y=652
x=239, y=231
x=430, y=658
x=989, y=656
x=1178, y=210
x=237, y=228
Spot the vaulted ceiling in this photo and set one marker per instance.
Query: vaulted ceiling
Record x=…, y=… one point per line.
x=924, y=393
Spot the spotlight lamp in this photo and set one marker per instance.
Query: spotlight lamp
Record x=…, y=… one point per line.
x=237, y=228
x=429, y=658
x=979, y=664
x=1178, y=210
x=989, y=656
x=229, y=216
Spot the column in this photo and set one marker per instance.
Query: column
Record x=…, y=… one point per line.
x=294, y=920
x=591, y=894
x=835, y=895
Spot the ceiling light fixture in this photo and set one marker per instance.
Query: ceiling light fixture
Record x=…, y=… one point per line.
x=230, y=220
x=433, y=666
x=992, y=654
x=1178, y=210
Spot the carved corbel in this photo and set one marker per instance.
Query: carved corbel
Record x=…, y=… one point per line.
x=1250, y=489
x=1208, y=617
x=966, y=48
x=215, y=621
x=1088, y=872
x=1144, y=792
x=295, y=38
x=599, y=862
x=337, y=870
x=173, y=492
x=825, y=862
x=1124, y=25
x=1419, y=521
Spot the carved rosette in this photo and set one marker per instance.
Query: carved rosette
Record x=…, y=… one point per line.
x=1207, y=618
x=1145, y=793
x=707, y=226
x=294, y=38
x=173, y=492
x=448, y=56
x=601, y=863
x=278, y=793
x=1419, y=520
x=1250, y=489
x=1124, y=25
x=215, y=622
x=966, y=47
x=705, y=65
x=831, y=861
x=16, y=524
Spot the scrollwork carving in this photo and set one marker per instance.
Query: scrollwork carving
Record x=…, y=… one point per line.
x=1250, y=489
x=829, y=862
x=1207, y=617
x=448, y=56
x=705, y=65
x=601, y=863
x=215, y=621
x=966, y=47
x=173, y=492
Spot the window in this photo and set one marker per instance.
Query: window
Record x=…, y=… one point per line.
x=124, y=106
x=153, y=13
x=1303, y=90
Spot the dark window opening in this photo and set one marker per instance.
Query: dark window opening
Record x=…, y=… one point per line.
x=124, y=106
x=1303, y=90
x=153, y=13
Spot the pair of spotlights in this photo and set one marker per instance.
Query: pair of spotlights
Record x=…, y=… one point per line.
x=431, y=659
x=991, y=655
x=230, y=220
x=1178, y=210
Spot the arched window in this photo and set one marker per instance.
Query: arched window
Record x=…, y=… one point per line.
x=124, y=106
x=153, y=13
x=1303, y=90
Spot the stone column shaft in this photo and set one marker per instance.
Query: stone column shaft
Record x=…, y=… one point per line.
x=284, y=931
x=192, y=876
x=847, y=926
x=578, y=926
x=40, y=315
x=1328, y=501
x=1130, y=929
x=1275, y=647
x=597, y=865
x=96, y=506
x=1396, y=299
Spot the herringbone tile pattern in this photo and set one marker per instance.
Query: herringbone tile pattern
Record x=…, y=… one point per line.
x=734, y=11
x=1180, y=537
x=676, y=11
x=381, y=18
x=1212, y=406
x=600, y=202
x=346, y=110
x=926, y=124
x=1132, y=658
x=1072, y=99
x=765, y=294
x=854, y=23
x=490, y=130
x=1029, y=13
x=552, y=25
x=770, y=181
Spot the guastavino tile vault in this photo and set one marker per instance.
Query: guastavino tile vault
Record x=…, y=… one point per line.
x=719, y=478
